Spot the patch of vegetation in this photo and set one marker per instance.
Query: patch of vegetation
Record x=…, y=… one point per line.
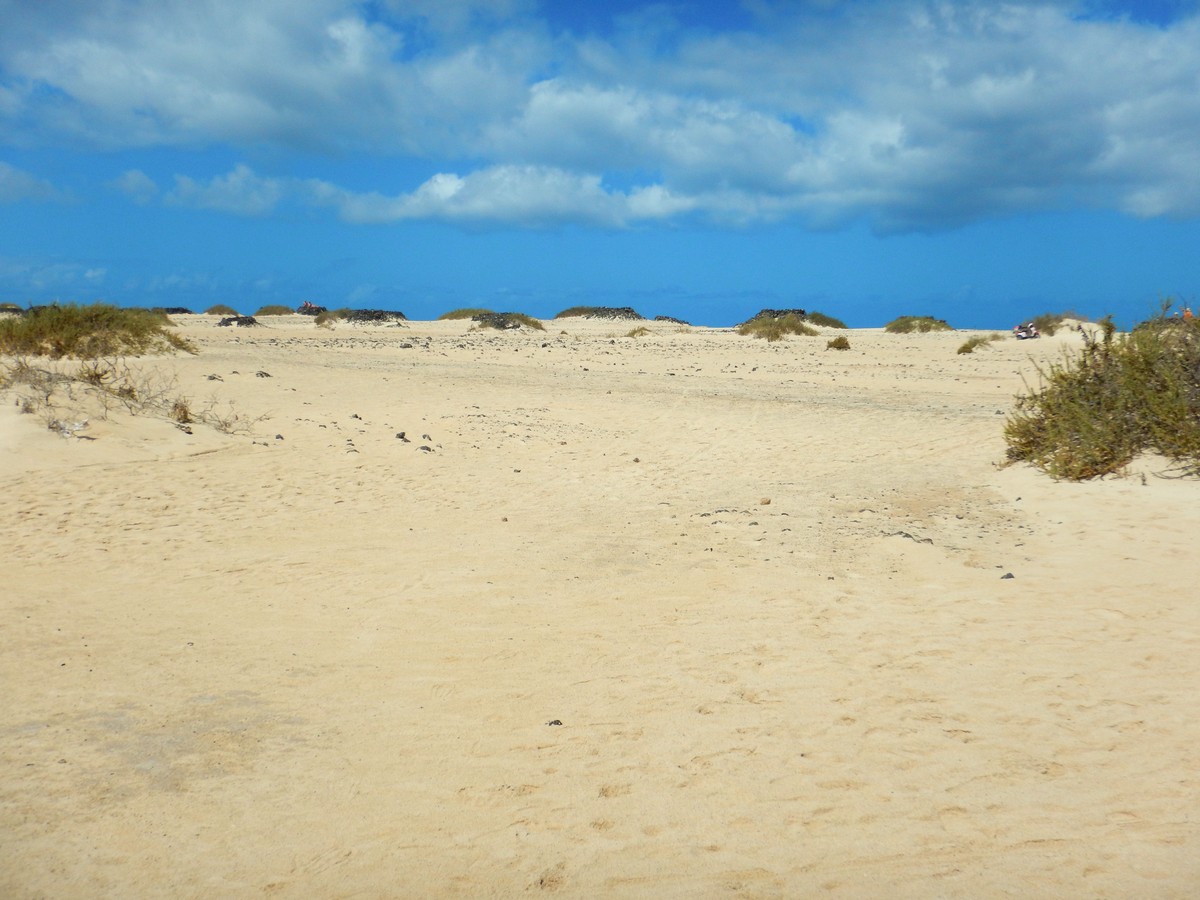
x=776, y=328
x=221, y=309
x=979, y=340
x=507, y=321
x=10, y=308
x=838, y=343
x=467, y=312
x=1093, y=412
x=326, y=318
x=88, y=331
x=824, y=321
x=640, y=331
x=98, y=386
x=376, y=316
x=922, y=324
x=274, y=309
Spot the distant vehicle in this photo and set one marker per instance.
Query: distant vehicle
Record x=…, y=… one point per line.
x=1026, y=331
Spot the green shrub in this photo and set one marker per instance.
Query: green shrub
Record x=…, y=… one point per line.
x=824, y=321
x=89, y=331
x=9, y=307
x=922, y=324
x=467, y=312
x=221, y=310
x=274, y=309
x=1095, y=411
x=775, y=329
x=838, y=343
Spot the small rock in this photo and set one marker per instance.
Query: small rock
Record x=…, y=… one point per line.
x=765, y=501
x=262, y=374
x=1007, y=575
x=554, y=722
x=279, y=437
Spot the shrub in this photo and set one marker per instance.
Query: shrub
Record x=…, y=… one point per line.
x=507, y=321
x=274, y=309
x=838, y=343
x=775, y=329
x=909, y=324
x=824, y=321
x=979, y=340
x=640, y=331
x=327, y=317
x=1095, y=411
x=221, y=310
x=89, y=331
x=467, y=312
x=10, y=307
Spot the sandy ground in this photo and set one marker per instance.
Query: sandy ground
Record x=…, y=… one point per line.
x=684, y=615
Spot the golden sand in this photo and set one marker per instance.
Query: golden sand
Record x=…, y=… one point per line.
x=684, y=615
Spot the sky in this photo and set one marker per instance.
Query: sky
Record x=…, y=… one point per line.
x=982, y=162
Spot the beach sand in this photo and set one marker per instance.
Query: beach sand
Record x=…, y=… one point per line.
x=684, y=615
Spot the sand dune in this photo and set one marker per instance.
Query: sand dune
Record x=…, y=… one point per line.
x=680, y=615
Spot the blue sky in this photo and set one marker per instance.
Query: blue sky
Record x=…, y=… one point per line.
x=978, y=161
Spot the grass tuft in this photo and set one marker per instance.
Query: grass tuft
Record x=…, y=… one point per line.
x=1094, y=411
x=640, y=331
x=838, y=343
x=979, y=340
x=89, y=331
x=773, y=328
x=467, y=312
x=910, y=324
x=824, y=321
x=275, y=309
x=506, y=321
x=221, y=309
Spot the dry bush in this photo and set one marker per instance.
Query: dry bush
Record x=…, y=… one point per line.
x=921, y=324
x=97, y=330
x=1093, y=412
x=773, y=328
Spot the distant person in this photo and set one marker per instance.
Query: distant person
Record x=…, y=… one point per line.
x=1187, y=314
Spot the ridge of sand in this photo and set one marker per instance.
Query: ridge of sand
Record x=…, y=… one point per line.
x=318, y=660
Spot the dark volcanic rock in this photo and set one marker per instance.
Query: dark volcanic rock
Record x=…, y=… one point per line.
x=173, y=310
x=309, y=309
x=671, y=319
x=502, y=321
x=777, y=314
x=614, y=312
x=373, y=315
x=239, y=321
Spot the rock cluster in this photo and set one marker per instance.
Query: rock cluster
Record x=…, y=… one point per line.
x=239, y=321
x=777, y=314
x=373, y=315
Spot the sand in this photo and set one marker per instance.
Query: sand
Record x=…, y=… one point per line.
x=684, y=615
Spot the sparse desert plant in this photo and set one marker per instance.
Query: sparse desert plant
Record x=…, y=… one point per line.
x=506, y=321
x=1094, y=411
x=221, y=309
x=922, y=324
x=978, y=340
x=327, y=318
x=824, y=321
x=775, y=328
x=181, y=411
x=88, y=331
x=838, y=343
x=274, y=309
x=640, y=331
x=466, y=312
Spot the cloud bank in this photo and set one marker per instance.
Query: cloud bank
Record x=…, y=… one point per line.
x=911, y=115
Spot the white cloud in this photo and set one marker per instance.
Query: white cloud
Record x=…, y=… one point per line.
x=915, y=114
x=137, y=185
x=241, y=192
x=17, y=185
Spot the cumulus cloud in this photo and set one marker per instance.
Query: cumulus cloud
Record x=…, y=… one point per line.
x=913, y=114
x=17, y=184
